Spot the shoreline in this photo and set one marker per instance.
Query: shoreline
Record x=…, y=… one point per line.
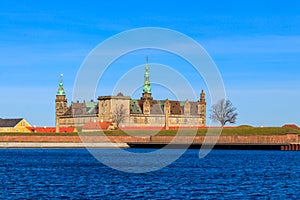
x=25, y=145
x=289, y=141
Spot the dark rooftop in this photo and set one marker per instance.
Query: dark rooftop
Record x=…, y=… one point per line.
x=9, y=122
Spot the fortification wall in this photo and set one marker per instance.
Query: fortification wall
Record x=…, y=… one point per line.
x=253, y=139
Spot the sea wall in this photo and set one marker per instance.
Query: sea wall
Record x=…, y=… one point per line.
x=73, y=139
x=232, y=139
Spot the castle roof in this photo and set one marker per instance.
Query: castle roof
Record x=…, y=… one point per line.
x=135, y=108
x=157, y=107
x=91, y=107
x=9, y=122
x=82, y=108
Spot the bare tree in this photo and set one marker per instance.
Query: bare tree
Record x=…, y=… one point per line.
x=119, y=114
x=223, y=112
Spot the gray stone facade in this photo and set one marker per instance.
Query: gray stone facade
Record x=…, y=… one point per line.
x=137, y=113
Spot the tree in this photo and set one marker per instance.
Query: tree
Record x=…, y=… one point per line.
x=119, y=114
x=223, y=112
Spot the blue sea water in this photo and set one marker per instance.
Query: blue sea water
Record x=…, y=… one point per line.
x=223, y=174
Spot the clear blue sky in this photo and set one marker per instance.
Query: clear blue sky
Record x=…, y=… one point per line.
x=255, y=44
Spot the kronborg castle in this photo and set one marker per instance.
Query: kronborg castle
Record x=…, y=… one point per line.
x=143, y=112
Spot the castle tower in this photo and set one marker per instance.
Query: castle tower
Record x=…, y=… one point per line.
x=146, y=107
x=202, y=97
x=187, y=108
x=147, y=86
x=61, y=103
x=202, y=108
x=167, y=110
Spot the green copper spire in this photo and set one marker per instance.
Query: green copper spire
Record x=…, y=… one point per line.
x=147, y=86
x=61, y=90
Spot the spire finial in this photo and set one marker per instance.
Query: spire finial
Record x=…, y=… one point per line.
x=61, y=80
x=147, y=67
x=61, y=90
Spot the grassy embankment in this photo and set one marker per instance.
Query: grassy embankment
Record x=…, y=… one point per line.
x=227, y=131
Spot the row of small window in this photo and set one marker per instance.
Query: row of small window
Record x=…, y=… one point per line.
x=135, y=120
x=8, y=130
x=185, y=121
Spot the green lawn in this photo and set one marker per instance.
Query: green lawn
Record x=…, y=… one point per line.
x=227, y=131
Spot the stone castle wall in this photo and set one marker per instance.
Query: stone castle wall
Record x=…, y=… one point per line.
x=160, y=120
x=230, y=139
x=76, y=121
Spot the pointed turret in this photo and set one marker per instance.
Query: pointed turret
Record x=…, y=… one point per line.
x=202, y=97
x=61, y=103
x=202, y=108
x=147, y=86
x=61, y=90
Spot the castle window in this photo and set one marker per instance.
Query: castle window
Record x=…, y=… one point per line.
x=146, y=120
x=134, y=120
